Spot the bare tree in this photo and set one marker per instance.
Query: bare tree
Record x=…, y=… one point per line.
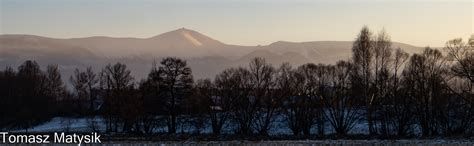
x=288, y=86
x=244, y=105
x=150, y=95
x=176, y=83
x=397, y=107
x=295, y=105
x=120, y=105
x=54, y=83
x=201, y=105
x=228, y=91
x=424, y=80
x=91, y=85
x=381, y=83
x=304, y=108
x=79, y=83
x=85, y=85
x=262, y=78
x=461, y=57
x=362, y=56
x=342, y=109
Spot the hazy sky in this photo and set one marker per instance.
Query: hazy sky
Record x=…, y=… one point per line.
x=243, y=22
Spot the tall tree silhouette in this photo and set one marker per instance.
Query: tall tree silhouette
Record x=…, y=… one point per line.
x=228, y=92
x=117, y=82
x=399, y=112
x=85, y=84
x=203, y=105
x=461, y=58
x=341, y=108
x=244, y=105
x=424, y=80
x=288, y=86
x=362, y=56
x=262, y=77
x=54, y=83
x=382, y=74
x=176, y=84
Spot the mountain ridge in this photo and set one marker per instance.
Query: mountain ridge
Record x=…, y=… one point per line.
x=179, y=30
x=207, y=56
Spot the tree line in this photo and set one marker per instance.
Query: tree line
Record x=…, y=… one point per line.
x=393, y=92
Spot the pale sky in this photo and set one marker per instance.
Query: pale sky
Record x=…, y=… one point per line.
x=243, y=22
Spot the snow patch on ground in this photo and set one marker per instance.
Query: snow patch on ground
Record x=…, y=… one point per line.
x=66, y=124
x=278, y=127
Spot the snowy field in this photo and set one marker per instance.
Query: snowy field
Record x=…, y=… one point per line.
x=60, y=124
x=312, y=142
x=278, y=127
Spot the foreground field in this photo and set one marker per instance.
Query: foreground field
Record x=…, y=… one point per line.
x=311, y=142
x=278, y=127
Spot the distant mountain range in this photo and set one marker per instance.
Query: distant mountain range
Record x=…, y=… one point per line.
x=205, y=55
